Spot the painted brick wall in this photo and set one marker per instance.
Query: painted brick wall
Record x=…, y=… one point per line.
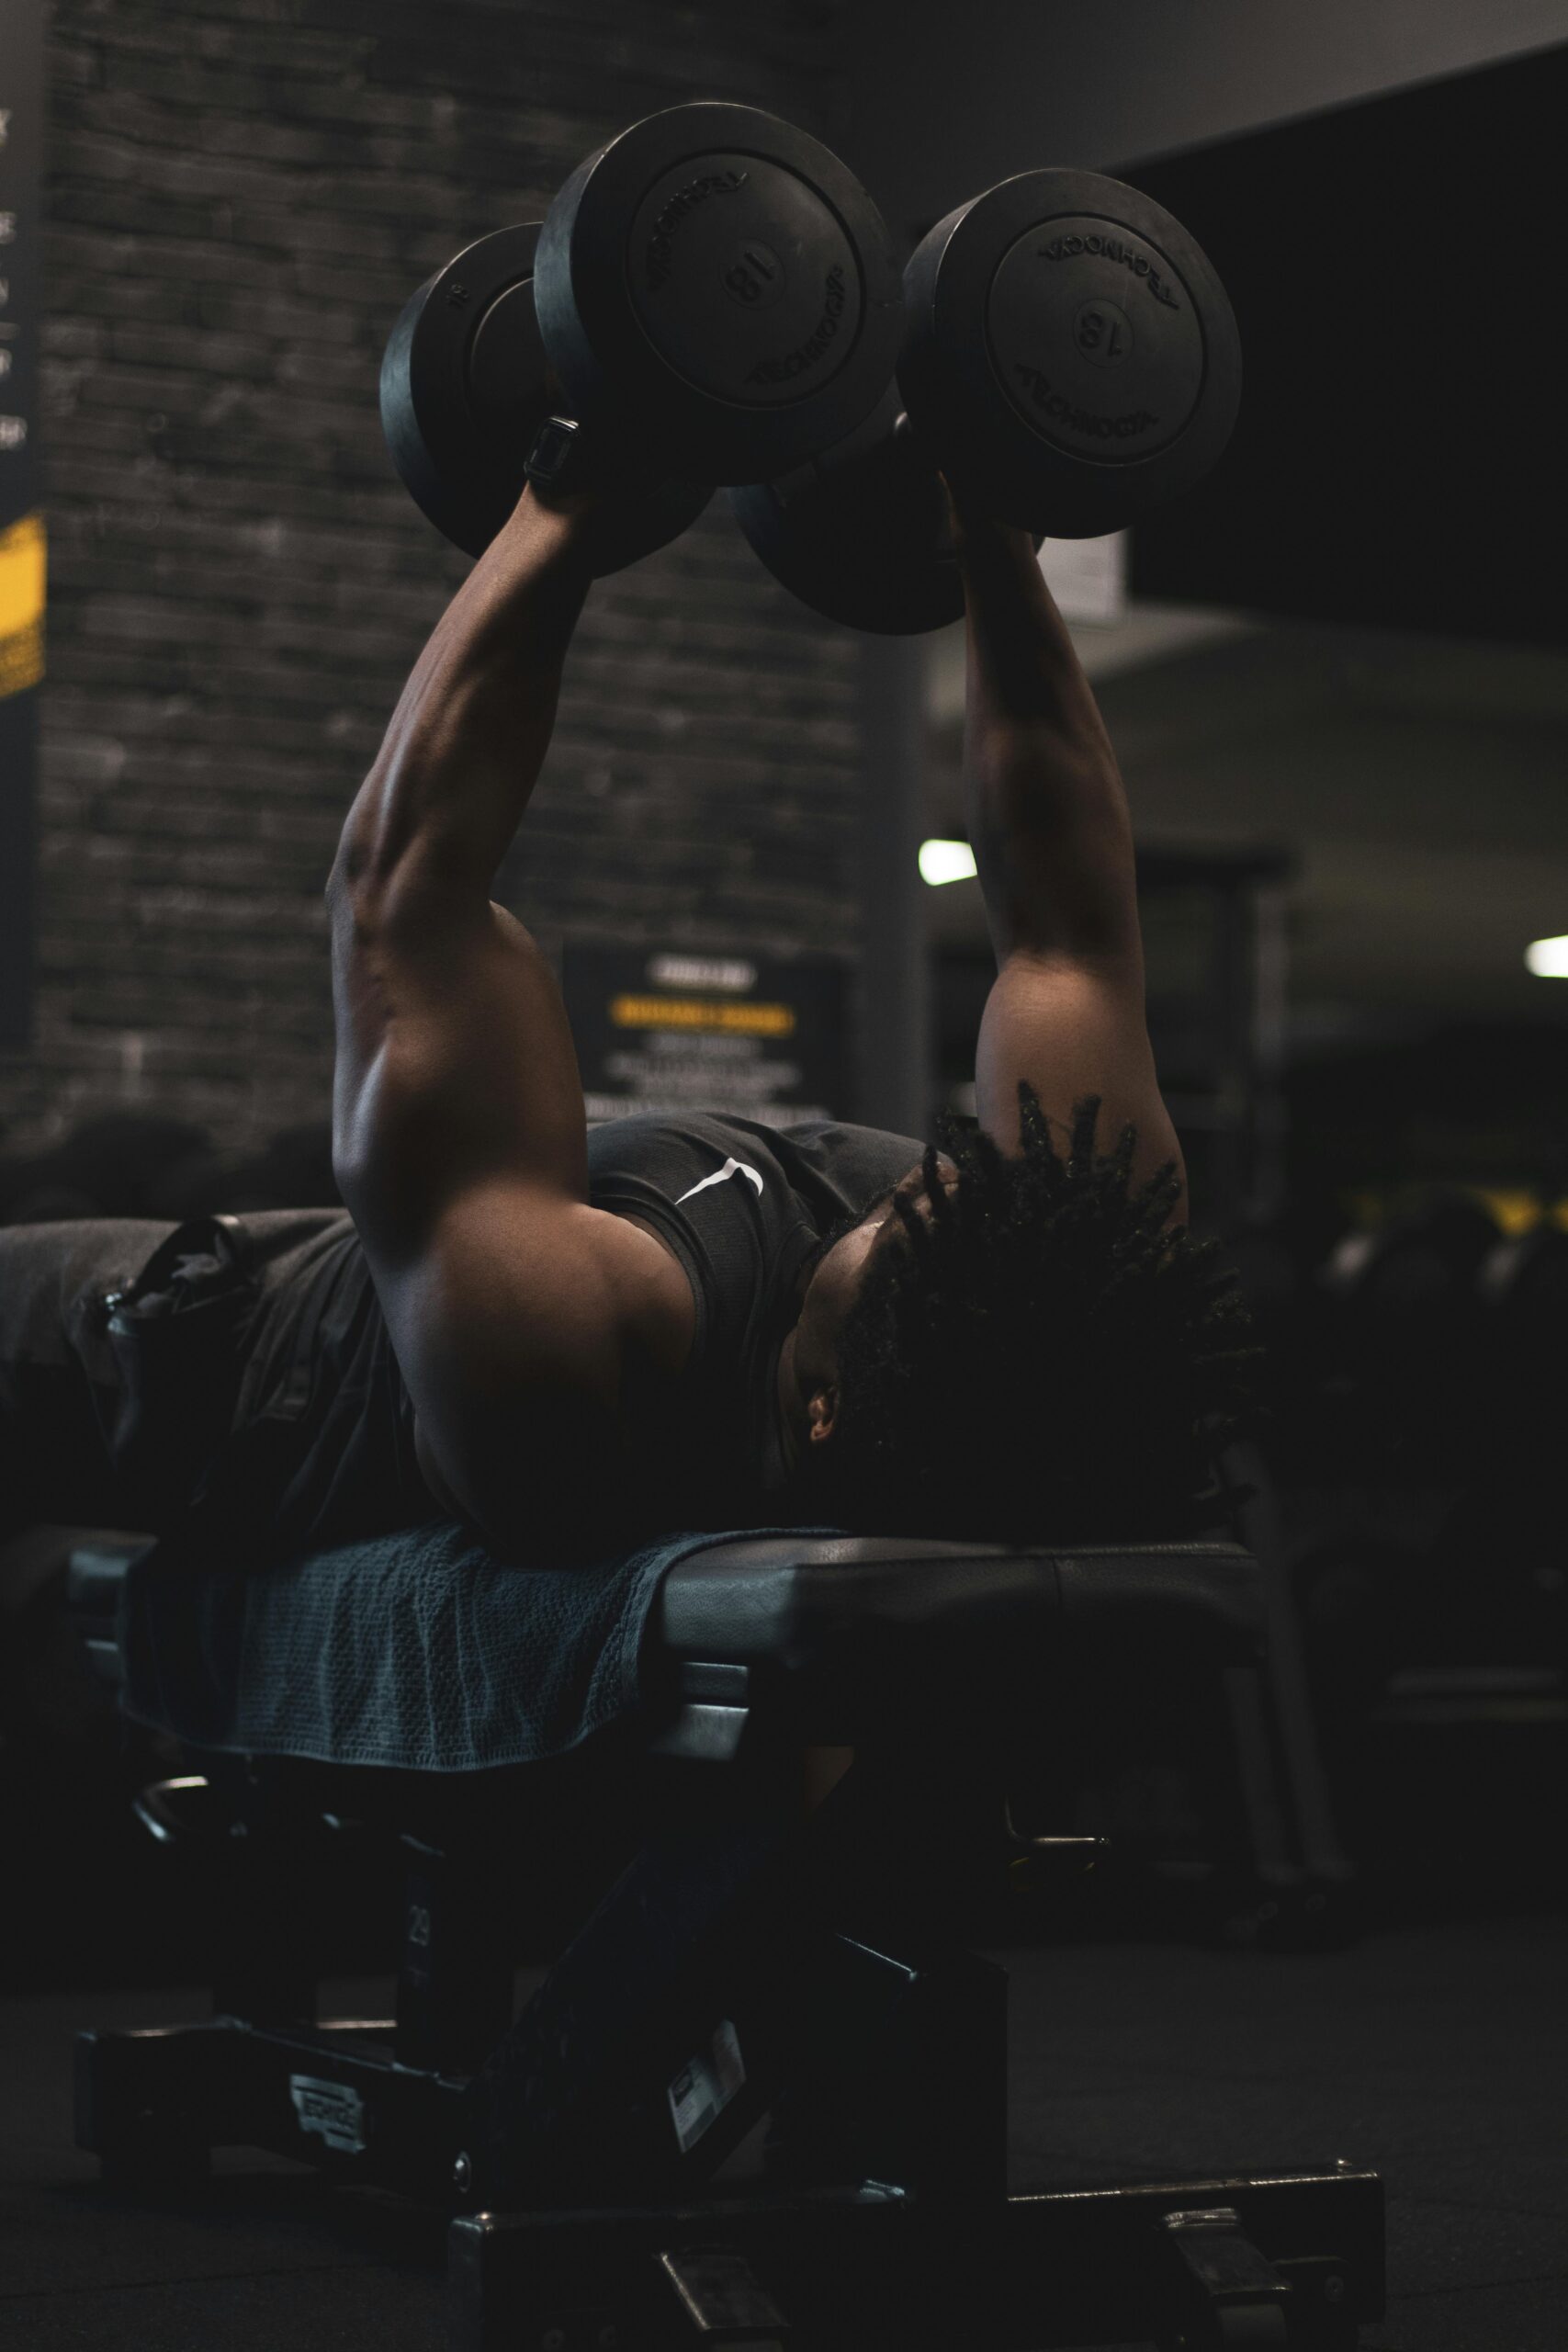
x=242, y=194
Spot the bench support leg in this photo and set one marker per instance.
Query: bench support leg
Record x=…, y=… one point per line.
x=1296, y=2263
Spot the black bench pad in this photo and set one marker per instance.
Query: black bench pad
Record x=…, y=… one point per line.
x=789, y=1603
x=421, y=1654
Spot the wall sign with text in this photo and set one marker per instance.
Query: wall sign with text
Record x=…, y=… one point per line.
x=670, y=1030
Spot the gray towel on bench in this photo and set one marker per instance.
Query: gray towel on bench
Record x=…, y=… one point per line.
x=417, y=1651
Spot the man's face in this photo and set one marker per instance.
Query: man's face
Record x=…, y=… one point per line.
x=808, y=1368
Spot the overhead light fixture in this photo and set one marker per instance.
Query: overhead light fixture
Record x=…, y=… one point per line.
x=1547, y=958
x=952, y=862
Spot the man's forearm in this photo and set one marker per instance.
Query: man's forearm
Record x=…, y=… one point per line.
x=471, y=728
x=1047, y=812
x=1024, y=672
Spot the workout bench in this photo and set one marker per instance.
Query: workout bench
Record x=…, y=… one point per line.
x=750, y=1959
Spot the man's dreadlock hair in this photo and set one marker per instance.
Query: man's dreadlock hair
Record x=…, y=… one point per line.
x=1040, y=1356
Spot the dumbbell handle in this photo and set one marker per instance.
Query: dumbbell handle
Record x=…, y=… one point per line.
x=917, y=456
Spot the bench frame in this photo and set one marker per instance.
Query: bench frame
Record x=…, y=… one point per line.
x=747, y=1956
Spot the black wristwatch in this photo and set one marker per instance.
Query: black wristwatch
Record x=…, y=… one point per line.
x=558, y=460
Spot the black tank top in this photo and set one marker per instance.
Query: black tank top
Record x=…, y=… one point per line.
x=742, y=1206
x=321, y=1450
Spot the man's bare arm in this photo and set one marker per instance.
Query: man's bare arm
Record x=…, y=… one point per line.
x=459, y=1138
x=1053, y=842
x=1047, y=812
x=453, y=1054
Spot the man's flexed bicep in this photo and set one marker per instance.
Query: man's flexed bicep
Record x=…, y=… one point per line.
x=459, y=1145
x=455, y=1066
x=518, y=1313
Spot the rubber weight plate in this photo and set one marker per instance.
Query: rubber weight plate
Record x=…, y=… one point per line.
x=863, y=534
x=1069, y=348
x=465, y=387
x=860, y=533
x=715, y=286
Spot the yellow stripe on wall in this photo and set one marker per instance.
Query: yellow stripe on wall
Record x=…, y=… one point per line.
x=24, y=571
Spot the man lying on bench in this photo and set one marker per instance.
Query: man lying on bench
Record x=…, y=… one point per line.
x=572, y=1340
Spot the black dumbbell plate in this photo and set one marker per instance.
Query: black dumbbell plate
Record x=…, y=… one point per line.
x=861, y=535
x=465, y=387
x=715, y=287
x=1069, y=347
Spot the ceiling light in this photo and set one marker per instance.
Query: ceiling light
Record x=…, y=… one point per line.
x=955, y=862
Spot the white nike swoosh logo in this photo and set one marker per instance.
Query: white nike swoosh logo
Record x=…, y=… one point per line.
x=731, y=1168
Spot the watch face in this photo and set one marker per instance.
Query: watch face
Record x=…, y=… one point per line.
x=552, y=457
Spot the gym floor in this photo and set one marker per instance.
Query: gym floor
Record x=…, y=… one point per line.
x=1436, y=2052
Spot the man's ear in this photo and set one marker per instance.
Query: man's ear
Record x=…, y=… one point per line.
x=821, y=1415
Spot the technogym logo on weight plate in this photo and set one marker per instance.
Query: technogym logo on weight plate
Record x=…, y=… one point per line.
x=1112, y=249
x=805, y=355
x=658, y=257
x=1062, y=411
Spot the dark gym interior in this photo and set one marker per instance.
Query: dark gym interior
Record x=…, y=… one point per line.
x=781, y=1927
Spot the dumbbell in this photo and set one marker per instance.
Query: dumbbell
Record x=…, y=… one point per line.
x=466, y=391
x=1069, y=355
x=711, y=298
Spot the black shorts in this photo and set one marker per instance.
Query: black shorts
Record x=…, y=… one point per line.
x=228, y=1374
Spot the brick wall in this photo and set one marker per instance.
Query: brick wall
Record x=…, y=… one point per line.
x=242, y=193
